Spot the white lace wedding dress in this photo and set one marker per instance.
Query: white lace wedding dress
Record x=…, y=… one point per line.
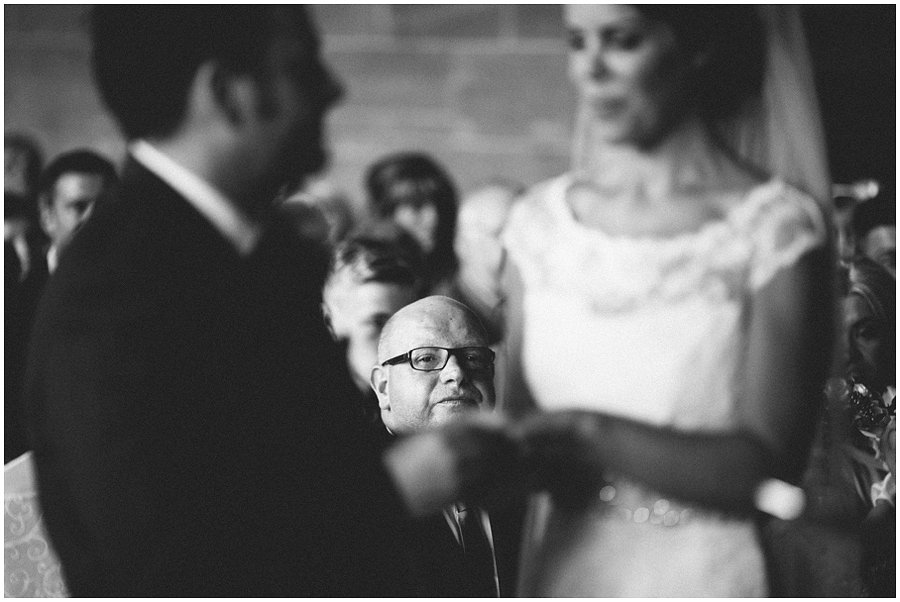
x=661, y=323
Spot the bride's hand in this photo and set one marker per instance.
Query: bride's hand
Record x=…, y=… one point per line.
x=458, y=461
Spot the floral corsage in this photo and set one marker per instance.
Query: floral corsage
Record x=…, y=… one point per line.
x=869, y=412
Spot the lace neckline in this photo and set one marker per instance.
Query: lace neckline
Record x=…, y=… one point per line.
x=754, y=196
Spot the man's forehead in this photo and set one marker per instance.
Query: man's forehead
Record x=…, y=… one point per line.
x=77, y=182
x=438, y=324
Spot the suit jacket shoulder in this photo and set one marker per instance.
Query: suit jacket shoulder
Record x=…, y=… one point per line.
x=189, y=399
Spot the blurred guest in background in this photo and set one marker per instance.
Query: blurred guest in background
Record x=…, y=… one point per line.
x=372, y=274
x=847, y=197
x=869, y=368
x=842, y=219
x=436, y=369
x=192, y=420
x=21, y=233
x=70, y=187
x=869, y=364
x=67, y=191
x=24, y=275
x=22, y=163
x=875, y=230
x=412, y=190
x=869, y=312
x=849, y=483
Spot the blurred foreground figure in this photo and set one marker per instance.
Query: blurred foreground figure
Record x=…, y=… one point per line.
x=191, y=419
x=665, y=303
x=683, y=265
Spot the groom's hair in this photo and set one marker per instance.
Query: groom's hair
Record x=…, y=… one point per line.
x=145, y=56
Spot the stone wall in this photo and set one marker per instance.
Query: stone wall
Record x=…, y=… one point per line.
x=482, y=88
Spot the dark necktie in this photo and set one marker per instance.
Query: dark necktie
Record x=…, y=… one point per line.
x=478, y=558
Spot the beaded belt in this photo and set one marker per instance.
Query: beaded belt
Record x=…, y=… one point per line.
x=631, y=503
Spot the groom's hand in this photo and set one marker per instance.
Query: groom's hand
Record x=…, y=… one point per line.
x=459, y=461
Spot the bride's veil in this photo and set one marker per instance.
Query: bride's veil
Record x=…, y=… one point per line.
x=781, y=132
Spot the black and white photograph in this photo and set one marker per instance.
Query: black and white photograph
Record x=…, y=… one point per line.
x=450, y=300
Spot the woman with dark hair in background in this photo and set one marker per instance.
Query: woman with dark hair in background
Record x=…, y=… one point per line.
x=412, y=190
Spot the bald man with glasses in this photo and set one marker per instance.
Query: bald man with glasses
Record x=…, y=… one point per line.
x=435, y=370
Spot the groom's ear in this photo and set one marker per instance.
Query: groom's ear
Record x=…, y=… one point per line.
x=379, y=381
x=235, y=98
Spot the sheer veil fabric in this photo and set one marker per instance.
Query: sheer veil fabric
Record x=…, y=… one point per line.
x=780, y=132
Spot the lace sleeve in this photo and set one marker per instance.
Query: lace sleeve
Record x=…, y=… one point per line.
x=787, y=226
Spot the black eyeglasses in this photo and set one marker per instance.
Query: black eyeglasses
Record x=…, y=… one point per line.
x=428, y=359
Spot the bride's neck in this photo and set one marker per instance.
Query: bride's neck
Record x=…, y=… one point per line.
x=686, y=160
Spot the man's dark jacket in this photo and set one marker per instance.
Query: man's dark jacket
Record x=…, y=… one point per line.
x=21, y=295
x=191, y=419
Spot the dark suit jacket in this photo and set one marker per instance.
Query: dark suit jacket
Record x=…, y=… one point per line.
x=436, y=561
x=21, y=297
x=191, y=419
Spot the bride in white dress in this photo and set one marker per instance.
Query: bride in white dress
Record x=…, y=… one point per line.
x=669, y=312
x=669, y=305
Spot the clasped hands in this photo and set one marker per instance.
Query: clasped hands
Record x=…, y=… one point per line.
x=486, y=456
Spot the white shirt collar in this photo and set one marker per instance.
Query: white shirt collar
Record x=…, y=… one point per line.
x=52, y=258
x=220, y=211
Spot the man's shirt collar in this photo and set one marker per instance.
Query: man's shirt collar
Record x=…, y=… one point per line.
x=219, y=210
x=52, y=258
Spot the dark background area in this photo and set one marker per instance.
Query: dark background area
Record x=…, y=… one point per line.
x=481, y=87
x=854, y=54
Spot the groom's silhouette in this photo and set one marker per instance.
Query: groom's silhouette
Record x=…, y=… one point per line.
x=189, y=414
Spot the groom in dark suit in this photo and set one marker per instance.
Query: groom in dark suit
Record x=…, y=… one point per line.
x=190, y=417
